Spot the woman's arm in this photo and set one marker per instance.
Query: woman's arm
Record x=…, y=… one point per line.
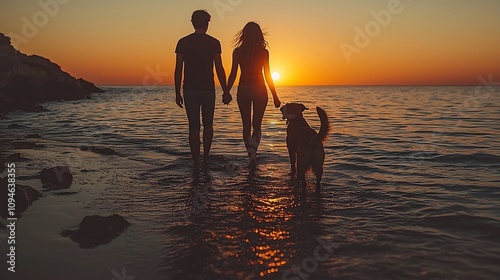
x=234, y=71
x=269, y=80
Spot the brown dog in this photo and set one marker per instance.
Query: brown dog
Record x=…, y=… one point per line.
x=305, y=146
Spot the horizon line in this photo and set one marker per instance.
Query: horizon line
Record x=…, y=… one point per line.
x=313, y=85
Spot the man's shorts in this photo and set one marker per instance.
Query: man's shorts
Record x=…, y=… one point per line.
x=194, y=100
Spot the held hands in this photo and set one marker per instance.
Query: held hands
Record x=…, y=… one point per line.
x=277, y=102
x=226, y=98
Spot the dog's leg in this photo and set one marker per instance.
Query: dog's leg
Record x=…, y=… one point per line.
x=319, y=173
x=302, y=179
x=317, y=167
x=301, y=175
x=293, y=161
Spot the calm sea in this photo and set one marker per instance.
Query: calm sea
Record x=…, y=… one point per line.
x=411, y=188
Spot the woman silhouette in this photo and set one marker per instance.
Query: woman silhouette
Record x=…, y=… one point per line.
x=251, y=55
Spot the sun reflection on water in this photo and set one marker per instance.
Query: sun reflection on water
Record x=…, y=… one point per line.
x=269, y=215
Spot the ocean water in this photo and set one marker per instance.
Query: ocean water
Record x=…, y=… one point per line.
x=411, y=188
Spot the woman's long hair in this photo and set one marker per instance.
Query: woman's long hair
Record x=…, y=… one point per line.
x=250, y=40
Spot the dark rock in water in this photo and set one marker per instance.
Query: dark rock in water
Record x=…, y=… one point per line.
x=17, y=157
x=97, y=230
x=15, y=126
x=3, y=117
x=99, y=150
x=23, y=145
x=26, y=80
x=24, y=196
x=58, y=177
x=32, y=108
x=33, y=136
x=65, y=193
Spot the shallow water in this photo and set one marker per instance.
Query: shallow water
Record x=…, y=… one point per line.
x=410, y=189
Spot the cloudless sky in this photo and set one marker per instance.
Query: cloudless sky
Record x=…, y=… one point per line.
x=318, y=42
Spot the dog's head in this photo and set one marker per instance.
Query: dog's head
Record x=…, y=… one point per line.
x=292, y=110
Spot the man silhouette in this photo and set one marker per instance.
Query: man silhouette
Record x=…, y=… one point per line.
x=197, y=53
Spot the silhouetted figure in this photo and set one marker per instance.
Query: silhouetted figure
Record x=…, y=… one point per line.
x=252, y=57
x=197, y=53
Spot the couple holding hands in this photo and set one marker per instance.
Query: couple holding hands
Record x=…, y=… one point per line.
x=196, y=54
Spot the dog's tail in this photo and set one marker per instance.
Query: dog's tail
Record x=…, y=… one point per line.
x=325, y=125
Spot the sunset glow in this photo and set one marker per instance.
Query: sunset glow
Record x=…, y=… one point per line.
x=383, y=42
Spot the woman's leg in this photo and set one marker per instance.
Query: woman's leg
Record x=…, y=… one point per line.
x=259, y=107
x=245, y=106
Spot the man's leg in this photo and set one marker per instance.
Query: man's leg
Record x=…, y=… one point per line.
x=207, y=111
x=192, y=104
x=194, y=144
x=208, y=135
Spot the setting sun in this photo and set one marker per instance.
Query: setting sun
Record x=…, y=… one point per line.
x=276, y=76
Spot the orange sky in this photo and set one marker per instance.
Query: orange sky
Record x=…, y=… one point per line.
x=379, y=42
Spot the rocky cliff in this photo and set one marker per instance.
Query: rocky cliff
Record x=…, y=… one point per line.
x=26, y=80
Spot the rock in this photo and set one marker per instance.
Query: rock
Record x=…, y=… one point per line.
x=3, y=162
x=99, y=150
x=15, y=126
x=97, y=230
x=58, y=177
x=88, y=87
x=24, y=196
x=32, y=108
x=17, y=157
x=3, y=117
x=65, y=193
x=23, y=145
x=33, y=136
x=26, y=80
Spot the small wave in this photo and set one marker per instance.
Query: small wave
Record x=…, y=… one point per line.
x=463, y=133
x=474, y=223
x=350, y=166
x=480, y=158
x=173, y=152
x=445, y=133
x=65, y=121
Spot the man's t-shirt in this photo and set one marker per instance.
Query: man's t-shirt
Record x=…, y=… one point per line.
x=198, y=50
